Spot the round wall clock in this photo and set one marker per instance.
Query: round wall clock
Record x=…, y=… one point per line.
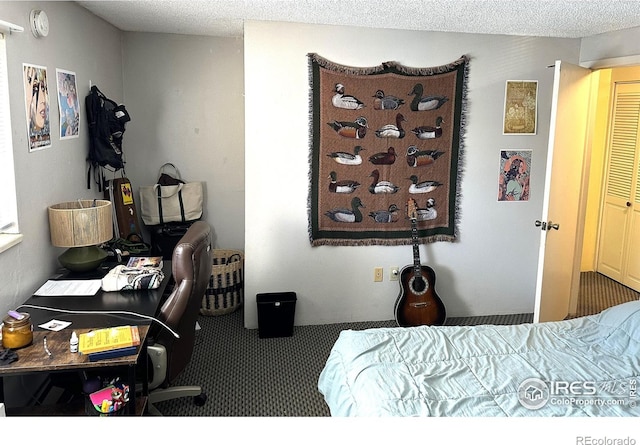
x=39, y=23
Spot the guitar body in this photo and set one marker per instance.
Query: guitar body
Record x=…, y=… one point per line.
x=418, y=303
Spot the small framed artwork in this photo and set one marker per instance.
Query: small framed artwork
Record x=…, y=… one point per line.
x=520, y=107
x=514, y=175
x=68, y=104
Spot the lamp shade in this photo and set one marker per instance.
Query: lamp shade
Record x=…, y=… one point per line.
x=80, y=223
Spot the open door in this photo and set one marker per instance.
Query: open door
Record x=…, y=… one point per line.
x=562, y=220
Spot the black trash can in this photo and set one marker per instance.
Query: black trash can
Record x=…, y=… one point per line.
x=276, y=312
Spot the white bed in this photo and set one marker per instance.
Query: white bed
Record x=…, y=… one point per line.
x=588, y=366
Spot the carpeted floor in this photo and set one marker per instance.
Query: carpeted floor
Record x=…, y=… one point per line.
x=246, y=376
x=598, y=292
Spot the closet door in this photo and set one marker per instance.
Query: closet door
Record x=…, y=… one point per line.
x=619, y=242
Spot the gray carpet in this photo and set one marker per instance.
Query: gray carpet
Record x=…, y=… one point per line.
x=246, y=376
x=598, y=292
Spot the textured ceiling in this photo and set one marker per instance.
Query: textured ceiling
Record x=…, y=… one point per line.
x=547, y=18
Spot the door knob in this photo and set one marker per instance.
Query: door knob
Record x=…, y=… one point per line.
x=628, y=204
x=547, y=226
x=541, y=224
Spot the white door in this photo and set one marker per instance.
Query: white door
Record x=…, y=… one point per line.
x=619, y=243
x=562, y=219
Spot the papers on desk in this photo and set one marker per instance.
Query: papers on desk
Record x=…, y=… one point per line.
x=55, y=325
x=69, y=288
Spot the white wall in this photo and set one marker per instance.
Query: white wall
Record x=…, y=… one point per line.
x=184, y=94
x=490, y=270
x=78, y=41
x=616, y=48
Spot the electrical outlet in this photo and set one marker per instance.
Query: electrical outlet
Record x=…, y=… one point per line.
x=394, y=273
x=378, y=274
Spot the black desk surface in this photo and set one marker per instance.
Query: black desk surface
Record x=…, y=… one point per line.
x=145, y=302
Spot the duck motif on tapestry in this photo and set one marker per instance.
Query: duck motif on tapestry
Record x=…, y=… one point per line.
x=414, y=116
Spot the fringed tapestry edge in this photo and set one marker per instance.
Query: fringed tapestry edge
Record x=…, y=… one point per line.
x=310, y=155
x=344, y=69
x=461, y=146
x=426, y=71
x=386, y=66
x=380, y=241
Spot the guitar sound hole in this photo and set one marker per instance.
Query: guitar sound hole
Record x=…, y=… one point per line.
x=419, y=285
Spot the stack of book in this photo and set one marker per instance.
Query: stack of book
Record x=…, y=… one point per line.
x=112, y=342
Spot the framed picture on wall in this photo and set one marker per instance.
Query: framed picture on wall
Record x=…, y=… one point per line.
x=68, y=105
x=36, y=100
x=514, y=175
x=520, y=107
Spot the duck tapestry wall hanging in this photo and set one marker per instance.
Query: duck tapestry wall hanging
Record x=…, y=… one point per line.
x=379, y=136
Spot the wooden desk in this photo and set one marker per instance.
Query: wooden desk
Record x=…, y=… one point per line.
x=33, y=358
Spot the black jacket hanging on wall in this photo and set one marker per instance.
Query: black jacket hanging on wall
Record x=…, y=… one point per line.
x=107, y=122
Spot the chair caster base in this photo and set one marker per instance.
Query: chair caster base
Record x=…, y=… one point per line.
x=200, y=399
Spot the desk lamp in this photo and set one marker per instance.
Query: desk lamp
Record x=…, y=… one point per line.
x=81, y=225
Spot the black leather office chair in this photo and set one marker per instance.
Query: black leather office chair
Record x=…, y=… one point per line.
x=191, y=269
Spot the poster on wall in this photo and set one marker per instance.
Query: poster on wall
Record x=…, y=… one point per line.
x=68, y=105
x=513, y=178
x=520, y=107
x=36, y=99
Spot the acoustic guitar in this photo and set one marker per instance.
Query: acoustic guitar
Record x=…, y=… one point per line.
x=418, y=303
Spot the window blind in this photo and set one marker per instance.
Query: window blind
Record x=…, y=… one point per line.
x=8, y=202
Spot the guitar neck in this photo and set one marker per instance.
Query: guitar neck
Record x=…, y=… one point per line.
x=416, y=250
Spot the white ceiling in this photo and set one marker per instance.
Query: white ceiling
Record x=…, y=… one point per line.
x=547, y=18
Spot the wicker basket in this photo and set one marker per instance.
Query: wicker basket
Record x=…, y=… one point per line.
x=225, y=292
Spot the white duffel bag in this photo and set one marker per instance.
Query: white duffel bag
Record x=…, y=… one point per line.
x=180, y=202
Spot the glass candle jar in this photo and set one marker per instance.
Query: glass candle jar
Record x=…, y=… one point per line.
x=17, y=333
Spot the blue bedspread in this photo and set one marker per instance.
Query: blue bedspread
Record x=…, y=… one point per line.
x=588, y=366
